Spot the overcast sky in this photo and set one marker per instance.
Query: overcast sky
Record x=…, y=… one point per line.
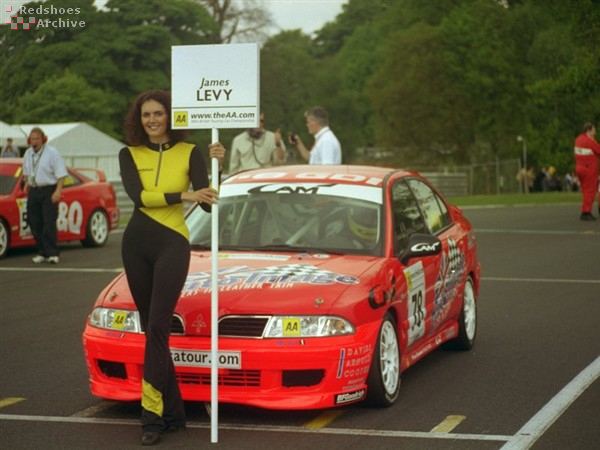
x=308, y=15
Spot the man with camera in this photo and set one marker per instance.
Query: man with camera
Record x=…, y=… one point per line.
x=256, y=148
x=327, y=148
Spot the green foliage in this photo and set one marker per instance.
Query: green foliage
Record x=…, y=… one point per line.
x=436, y=83
x=67, y=98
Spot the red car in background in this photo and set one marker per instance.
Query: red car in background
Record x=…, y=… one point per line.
x=332, y=281
x=87, y=210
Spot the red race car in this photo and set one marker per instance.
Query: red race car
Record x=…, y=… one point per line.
x=87, y=210
x=332, y=281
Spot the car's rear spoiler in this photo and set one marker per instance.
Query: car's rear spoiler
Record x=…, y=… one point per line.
x=92, y=173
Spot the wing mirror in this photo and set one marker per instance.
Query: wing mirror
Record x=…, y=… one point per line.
x=420, y=245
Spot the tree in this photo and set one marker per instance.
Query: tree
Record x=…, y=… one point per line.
x=67, y=98
x=245, y=21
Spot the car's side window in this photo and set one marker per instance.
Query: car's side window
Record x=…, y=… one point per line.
x=433, y=208
x=406, y=216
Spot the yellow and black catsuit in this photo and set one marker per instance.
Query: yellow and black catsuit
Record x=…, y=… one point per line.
x=156, y=256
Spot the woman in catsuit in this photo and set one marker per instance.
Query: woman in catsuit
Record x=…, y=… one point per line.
x=157, y=168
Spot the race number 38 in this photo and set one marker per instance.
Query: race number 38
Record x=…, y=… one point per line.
x=415, y=281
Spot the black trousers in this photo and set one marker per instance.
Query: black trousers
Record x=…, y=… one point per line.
x=41, y=217
x=156, y=261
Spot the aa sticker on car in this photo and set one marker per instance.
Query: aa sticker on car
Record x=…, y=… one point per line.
x=417, y=313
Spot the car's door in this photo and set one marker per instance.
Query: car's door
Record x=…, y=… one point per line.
x=449, y=266
x=420, y=272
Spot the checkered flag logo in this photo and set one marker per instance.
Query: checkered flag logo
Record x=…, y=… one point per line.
x=15, y=21
x=455, y=256
x=293, y=270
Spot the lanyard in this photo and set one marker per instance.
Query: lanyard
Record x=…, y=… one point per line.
x=36, y=165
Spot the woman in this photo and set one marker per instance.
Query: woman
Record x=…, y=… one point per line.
x=156, y=170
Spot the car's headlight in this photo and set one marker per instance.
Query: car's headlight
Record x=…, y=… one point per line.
x=116, y=319
x=307, y=326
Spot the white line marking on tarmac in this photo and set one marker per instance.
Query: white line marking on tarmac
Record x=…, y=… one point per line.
x=540, y=280
x=273, y=429
x=551, y=232
x=60, y=269
x=545, y=417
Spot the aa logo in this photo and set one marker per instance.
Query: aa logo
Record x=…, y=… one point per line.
x=291, y=326
x=181, y=119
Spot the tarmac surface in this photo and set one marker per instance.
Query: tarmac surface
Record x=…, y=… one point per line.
x=531, y=380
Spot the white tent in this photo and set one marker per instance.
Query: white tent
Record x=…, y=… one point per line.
x=14, y=132
x=82, y=145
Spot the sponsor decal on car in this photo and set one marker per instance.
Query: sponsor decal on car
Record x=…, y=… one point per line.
x=283, y=276
x=199, y=358
x=256, y=256
x=349, y=397
x=448, y=281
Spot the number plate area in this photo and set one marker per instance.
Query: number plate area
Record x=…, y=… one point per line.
x=202, y=358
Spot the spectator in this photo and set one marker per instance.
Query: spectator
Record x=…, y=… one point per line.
x=256, y=148
x=327, y=148
x=44, y=171
x=10, y=150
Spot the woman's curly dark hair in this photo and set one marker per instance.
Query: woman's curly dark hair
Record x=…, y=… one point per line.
x=134, y=130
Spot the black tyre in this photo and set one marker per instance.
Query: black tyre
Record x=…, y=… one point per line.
x=384, y=376
x=96, y=233
x=467, y=322
x=4, y=238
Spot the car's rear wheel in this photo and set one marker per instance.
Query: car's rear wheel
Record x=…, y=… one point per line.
x=384, y=376
x=4, y=238
x=96, y=233
x=467, y=322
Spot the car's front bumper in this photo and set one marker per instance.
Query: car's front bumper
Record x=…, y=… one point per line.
x=274, y=373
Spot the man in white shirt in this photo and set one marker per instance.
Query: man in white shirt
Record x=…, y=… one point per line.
x=44, y=171
x=327, y=148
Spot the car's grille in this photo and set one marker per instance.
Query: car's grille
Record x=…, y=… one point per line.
x=231, y=326
x=243, y=326
x=247, y=378
x=177, y=326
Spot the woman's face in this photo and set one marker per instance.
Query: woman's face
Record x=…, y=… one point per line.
x=154, y=121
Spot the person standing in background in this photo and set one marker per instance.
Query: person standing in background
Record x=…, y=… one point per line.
x=44, y=172
x=10, y=150
x=327, y=148
x=587, y=152
x=256, y=148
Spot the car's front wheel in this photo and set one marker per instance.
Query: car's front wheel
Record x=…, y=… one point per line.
x=96, y=233
x=384, y=376
x=467, y=322
x=4, y=238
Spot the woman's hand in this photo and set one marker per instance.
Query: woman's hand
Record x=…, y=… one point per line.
x=216, y=150
x=206, y=195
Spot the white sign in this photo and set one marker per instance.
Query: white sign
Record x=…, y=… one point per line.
x=215, y=86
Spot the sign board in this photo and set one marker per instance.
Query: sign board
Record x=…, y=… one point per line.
x=215, y=86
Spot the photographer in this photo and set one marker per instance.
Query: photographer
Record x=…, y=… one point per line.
x=256, y=148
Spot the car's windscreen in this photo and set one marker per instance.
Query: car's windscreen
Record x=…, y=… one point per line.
x=307, y=217
x=7, y=184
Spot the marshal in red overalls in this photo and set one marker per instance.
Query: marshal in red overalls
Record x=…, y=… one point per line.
x=587, y=151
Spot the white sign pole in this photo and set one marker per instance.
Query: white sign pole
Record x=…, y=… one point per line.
x=214, y=320
x=215, y=86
